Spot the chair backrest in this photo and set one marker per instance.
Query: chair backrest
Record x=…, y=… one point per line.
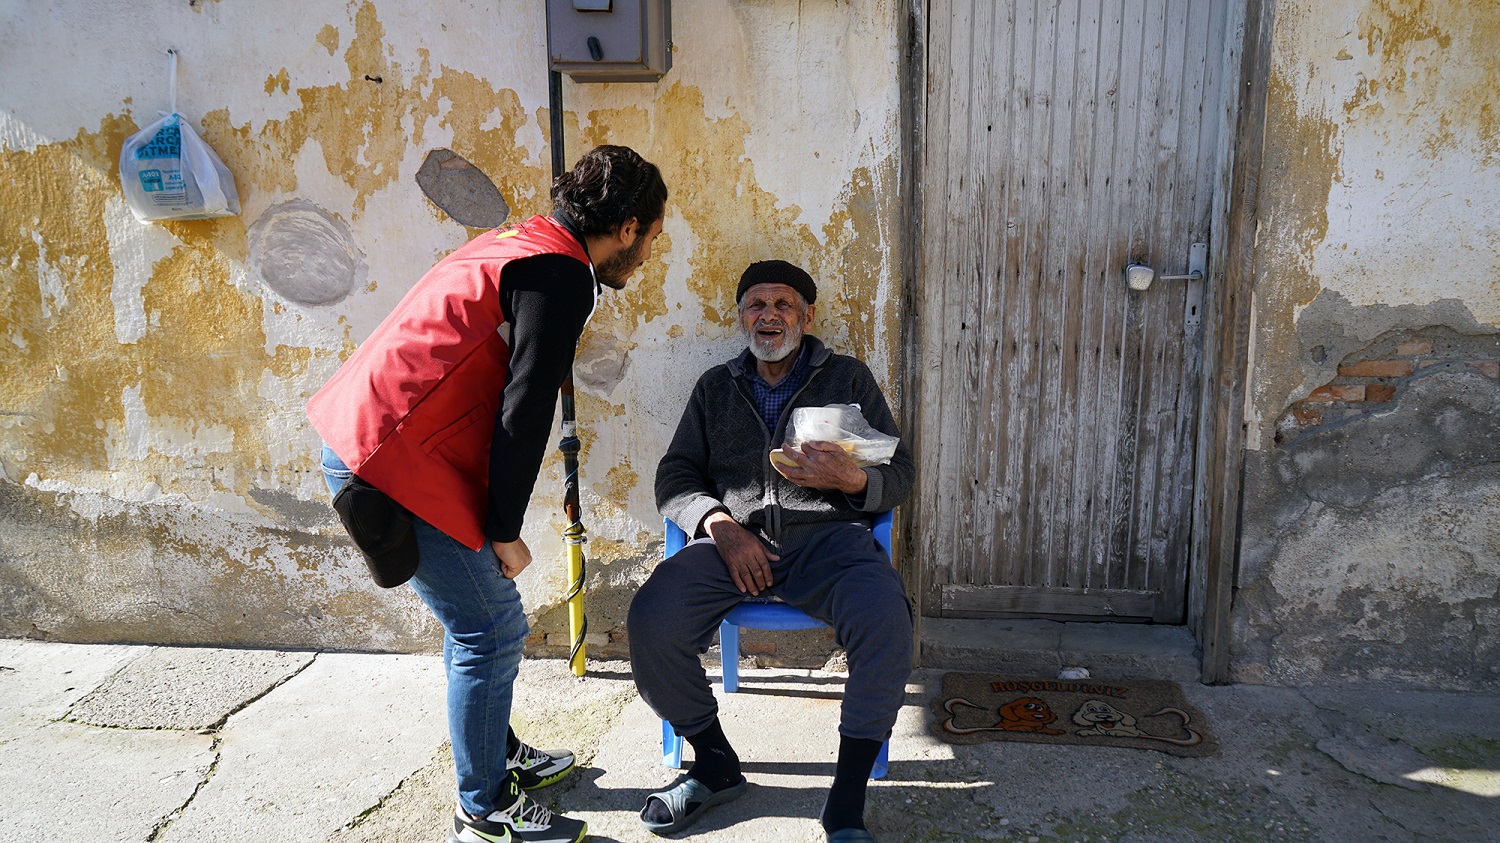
x=675, y=539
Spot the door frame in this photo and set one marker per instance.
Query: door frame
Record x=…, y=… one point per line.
x=1219, y=458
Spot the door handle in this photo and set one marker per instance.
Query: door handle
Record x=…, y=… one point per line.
x=1138, y=276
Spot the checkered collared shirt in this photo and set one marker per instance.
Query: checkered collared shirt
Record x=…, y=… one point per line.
x=771, y=401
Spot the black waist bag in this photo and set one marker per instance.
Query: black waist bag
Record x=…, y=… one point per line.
x=381, y=529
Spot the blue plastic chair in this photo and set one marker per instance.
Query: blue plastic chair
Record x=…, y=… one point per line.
x=758, y=613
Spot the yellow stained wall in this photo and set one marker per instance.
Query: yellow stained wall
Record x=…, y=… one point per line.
x=1381, y=148
x=159, y=480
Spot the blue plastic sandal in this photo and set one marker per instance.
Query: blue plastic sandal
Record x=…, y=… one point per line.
x=687, y=791
x=850, y=835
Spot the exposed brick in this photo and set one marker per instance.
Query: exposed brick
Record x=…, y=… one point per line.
x=535, y=639
x=1489, y=368
x=1426, y=363
x=1379, y=392
x=758, y=648
x=1307, y=416
x=1377, y=369
x=1417, y=346
x=1338, y=392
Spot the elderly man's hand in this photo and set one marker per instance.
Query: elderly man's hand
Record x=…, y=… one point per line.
x=746, y=557
x=823, y=465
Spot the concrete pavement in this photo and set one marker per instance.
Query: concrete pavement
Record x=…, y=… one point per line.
x=137, y=743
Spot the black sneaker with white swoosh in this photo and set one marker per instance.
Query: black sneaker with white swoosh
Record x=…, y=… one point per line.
x=539, y=767
x=523, y=822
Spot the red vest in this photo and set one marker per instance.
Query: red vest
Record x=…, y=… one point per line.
x=413, y=410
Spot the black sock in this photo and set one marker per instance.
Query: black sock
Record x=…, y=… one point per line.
x=512, y=743
x=715, y=765
x=845, y=807
x=714, y=761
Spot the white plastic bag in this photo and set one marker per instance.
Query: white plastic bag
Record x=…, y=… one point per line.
x=169, y=173
x=844, y=425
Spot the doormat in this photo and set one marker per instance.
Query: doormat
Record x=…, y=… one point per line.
x=1136, y=714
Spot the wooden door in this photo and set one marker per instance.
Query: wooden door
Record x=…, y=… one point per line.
x=1062, y=140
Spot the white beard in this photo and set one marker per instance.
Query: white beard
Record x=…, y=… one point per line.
x=768, y=351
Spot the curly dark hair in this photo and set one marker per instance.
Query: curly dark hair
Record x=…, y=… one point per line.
x=608, y=186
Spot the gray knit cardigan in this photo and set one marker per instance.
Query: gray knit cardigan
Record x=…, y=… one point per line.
x=719, y=457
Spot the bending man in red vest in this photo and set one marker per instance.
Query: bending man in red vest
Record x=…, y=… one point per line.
x=445, y=410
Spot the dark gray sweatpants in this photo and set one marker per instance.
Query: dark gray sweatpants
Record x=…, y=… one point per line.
x=838, y=575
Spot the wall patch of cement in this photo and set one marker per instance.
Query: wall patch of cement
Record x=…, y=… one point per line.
x=304, y=254
x=463, y=191
x=1371, y=535
x=1331, y=331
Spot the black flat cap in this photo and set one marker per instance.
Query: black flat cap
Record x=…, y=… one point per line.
x=777, y=272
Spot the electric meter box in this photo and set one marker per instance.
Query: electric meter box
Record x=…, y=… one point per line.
x=610, y=40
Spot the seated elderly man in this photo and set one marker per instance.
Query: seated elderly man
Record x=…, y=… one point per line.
x=800, y=533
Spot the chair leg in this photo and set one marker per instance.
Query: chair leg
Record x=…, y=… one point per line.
x=671, y=747
x=882, y=761
x=729, y=654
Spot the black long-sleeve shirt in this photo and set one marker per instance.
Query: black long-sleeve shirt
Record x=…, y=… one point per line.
x=546, y=300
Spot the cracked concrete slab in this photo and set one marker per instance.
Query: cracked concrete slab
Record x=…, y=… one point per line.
x=353, y=750
x=58, y=779
x=185, y=687
x=63, y=782
x=551, y=708
x=38, y=684
x=1391, y=735
x=1409, y=714
x=1382, y=759
x=319, y=750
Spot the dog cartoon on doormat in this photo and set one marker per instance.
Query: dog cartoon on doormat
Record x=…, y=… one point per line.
x=1027, y=714
x=1138, y=714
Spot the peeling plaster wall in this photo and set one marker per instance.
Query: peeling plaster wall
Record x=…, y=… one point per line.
x=158, y=481
x=1372, y=487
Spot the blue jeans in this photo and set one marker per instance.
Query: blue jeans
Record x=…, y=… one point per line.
x=483, y=631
